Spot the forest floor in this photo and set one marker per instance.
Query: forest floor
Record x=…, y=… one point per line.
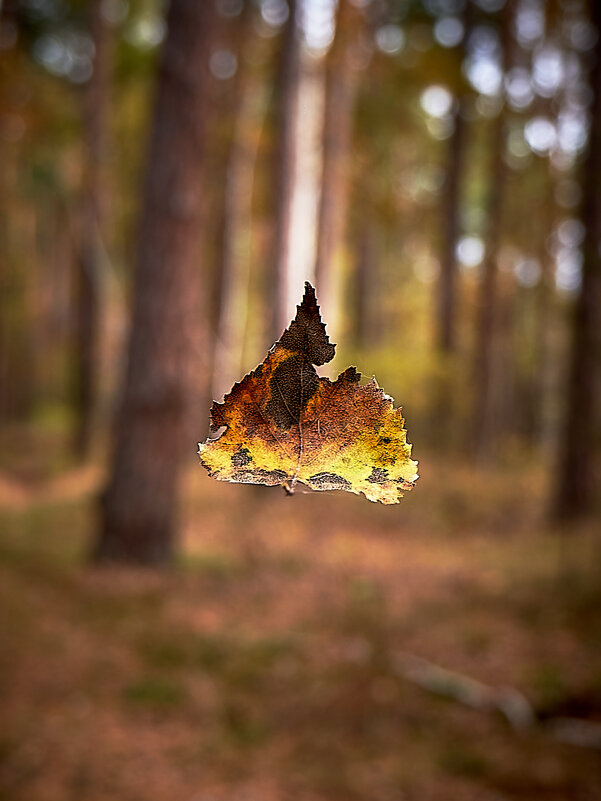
x=270, y=663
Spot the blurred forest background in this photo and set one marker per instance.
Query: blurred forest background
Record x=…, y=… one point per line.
x=170, y=176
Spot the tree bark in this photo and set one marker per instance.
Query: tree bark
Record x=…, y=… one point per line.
x=138, y=520
x=444, y=391
x=447, y=285
x=574, y=490
x=366, y=287
x=446, y=334
x=536, y=406
x=339, y=96
x=487, y=309
x=17, y=249
x=234, y=267
x=445, y=325
x=87, y=266
x=285, y=167
x=486, y=323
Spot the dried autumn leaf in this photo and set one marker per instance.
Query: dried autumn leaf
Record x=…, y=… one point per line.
x=283, y=423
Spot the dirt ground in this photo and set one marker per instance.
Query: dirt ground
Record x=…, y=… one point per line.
x=267, y=665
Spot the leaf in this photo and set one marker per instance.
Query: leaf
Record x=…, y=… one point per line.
x=283, y=424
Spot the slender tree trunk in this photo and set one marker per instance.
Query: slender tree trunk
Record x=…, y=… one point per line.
x=88, y=274
x=446, y=334
x=18, y=313
x=286, y=101
x=487, y=305
x=234, y=267
x=87, y=321
x=365, y=287
x=575, y=490
x=138, y=520
x=339, y=95
x=17, y=248
x=442, y=409
x=538, y=417
x=487, y=311
x=446, y=307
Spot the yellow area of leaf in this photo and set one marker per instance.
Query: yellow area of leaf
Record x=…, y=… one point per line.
x=283, y=424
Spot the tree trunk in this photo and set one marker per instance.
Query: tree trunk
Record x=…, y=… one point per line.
x=17, y=248
x=446, y=334
x=234, y=267
x=487, y=306
x=366, y=287
x=88, y=279
x=87, y=292
x=487, y=309
x=286, y=117
x=574, y=492
x=537, y=424
x=443, y=411
x=18, y=313
x=138, y=520
x=339, y=94
x=451, y=208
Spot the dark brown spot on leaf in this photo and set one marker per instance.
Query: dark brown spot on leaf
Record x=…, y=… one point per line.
x=378, y=476
x=241, y=458
x=293, y=382
x=259, y=476
x=327, y=481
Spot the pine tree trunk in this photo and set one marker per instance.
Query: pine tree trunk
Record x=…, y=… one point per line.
x=336, y=141
x=537, y=408
x=444, y=391
x=486, y=323
x=447, y=286
x=234, y=266
x=138, y=520
x=17, y=253
x=484, y=429
x=575, y=494
x=88, y=275
x=366, y=287
x=442, y=407
x=446, y=334
x=286, y=101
